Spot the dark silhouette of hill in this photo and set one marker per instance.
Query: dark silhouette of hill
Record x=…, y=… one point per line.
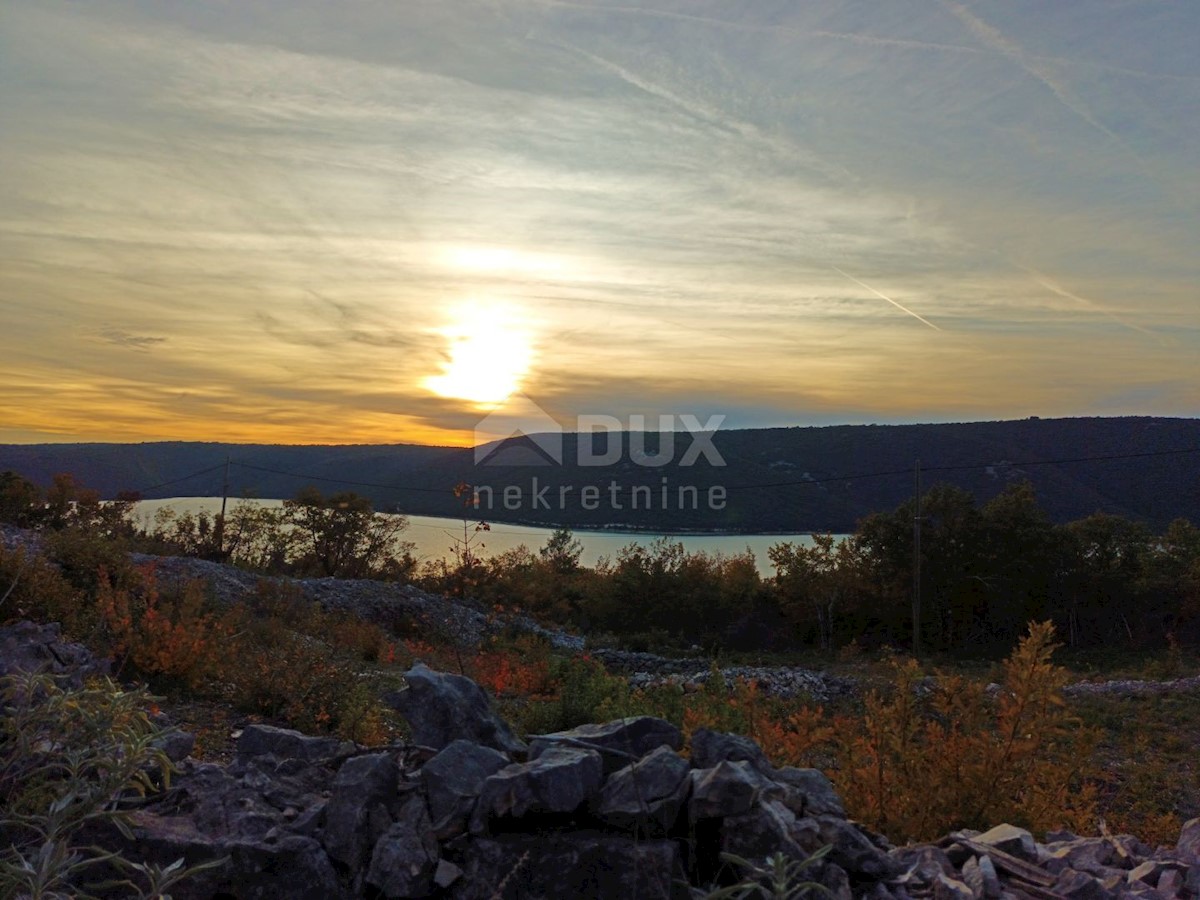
x=777, y=479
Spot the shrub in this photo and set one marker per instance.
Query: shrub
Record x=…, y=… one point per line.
x=68, y=757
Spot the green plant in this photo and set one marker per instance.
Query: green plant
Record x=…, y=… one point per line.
x=778, y=878
x=68, y=758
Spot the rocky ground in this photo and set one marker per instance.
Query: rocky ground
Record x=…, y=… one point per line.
x=610, y=810
x=405, y=608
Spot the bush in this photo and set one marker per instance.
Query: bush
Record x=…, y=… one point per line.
x=68, y=758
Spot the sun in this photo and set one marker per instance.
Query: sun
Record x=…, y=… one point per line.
x=489, y=354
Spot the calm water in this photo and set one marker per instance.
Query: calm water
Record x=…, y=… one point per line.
x=434, y=536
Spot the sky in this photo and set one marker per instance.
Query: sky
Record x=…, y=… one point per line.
x=299, y=221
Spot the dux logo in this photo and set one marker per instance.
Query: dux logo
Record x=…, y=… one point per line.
x=521, y=433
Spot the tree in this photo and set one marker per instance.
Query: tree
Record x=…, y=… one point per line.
x=815, y=581
x=562, y=552
x=342, y=536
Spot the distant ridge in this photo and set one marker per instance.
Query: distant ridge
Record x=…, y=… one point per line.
x=775, y=479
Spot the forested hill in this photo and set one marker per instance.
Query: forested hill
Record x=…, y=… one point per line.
x=778, y=479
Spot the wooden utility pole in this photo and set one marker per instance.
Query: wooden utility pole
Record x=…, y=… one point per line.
x=916, y=598
x=221, y=518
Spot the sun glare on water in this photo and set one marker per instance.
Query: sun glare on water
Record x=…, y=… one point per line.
x=489, y=354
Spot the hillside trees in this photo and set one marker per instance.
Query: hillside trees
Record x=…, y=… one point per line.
x=342, y=536
x=813, y=584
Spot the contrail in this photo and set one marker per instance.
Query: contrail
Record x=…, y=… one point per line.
x=882, y=296
x=748, y=26
x=1049, y=285
x=995, y=39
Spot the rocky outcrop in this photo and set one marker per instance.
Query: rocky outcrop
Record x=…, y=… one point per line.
x=611, y=810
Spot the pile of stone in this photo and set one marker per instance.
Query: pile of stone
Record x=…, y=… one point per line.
x=778, y=681
x=469, y=810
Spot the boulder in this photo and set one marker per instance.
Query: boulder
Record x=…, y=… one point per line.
x=646, y=796
x=946, y=887
x=178, y=745
x=33, y=647
x=559, y=781
x=1188, y=846
x=619, y=742
x=360, y=808
x=853, y=849
x=264, y=740
x=808, y=792
x=768, y=828
x=1080, y=886
x=728, y=789
x=712, y=747
x=924, y=862
x=405, y=860
x=453, y=780
x=568, y=864
x=442, y=708
x=1082, y=854
x=1012, y=840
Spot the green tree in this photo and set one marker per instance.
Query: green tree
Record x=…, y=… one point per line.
x=342, y=536
x=814, y=582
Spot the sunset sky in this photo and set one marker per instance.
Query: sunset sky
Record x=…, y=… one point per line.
x=311, y=222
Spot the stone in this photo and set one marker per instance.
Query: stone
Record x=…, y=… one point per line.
x=712, y=747
x=768, y=828
x=924, y=862
x=253, y=869
x=836, y=881
x=1172, y=881
x=442, y=708
x=1188, y=845
x=447, y=873
x=1012, y=840
x=262, y=740
x=947, y=888
x=972, y=877
x=1082, y=854
x=452, y=781
x=404, y=862
x=992, y=886
x=808, y=792
x=1150, y=871
x=647, y=795
x=853, y=849
x=559, y=781
x=729, y=788
x=31, y=647
x=178, y=745
x=363, y=797
x=619, y=742
x=576, y=864
x=1080, y=886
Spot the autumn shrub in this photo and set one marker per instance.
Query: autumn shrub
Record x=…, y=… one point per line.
x=69, y=758
x=917, y=766
x=172, y=635
x=86, y=557
x=32, y=588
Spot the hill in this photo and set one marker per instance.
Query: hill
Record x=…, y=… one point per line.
x=777, y=479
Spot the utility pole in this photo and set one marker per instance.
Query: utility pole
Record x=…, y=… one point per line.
x=221, y=518
x=916, y=599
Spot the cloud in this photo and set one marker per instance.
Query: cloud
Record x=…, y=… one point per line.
x=122, y=338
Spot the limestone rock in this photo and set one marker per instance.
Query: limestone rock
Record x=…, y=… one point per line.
x=559, y=781
x=453, y=780
x=619, y=742
x=647, y=795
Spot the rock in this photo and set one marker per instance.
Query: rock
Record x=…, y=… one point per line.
x=836, y=881
x=854, y=851
x=364, y=795
x=261, y=740
x=447, y=873
x=648, y=795
x=768, y=828
x=729, y=788
x=712, y=747
x=972, y=877
x=808, y=792
x=1150, y=871
x=992, y=886
x=947, y=888
x=283, y=866
x=1188, y=845
x=405, y=860
x=619, y=742
x=178, y=745
x=1012, y=840
x=1172, y=882
x=453, y=780
x=558, y=864
x=32, y=647
x=1082, y=854
x=559, y=781
x=924, y=862
x=442, y=708
x=1080, y=886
